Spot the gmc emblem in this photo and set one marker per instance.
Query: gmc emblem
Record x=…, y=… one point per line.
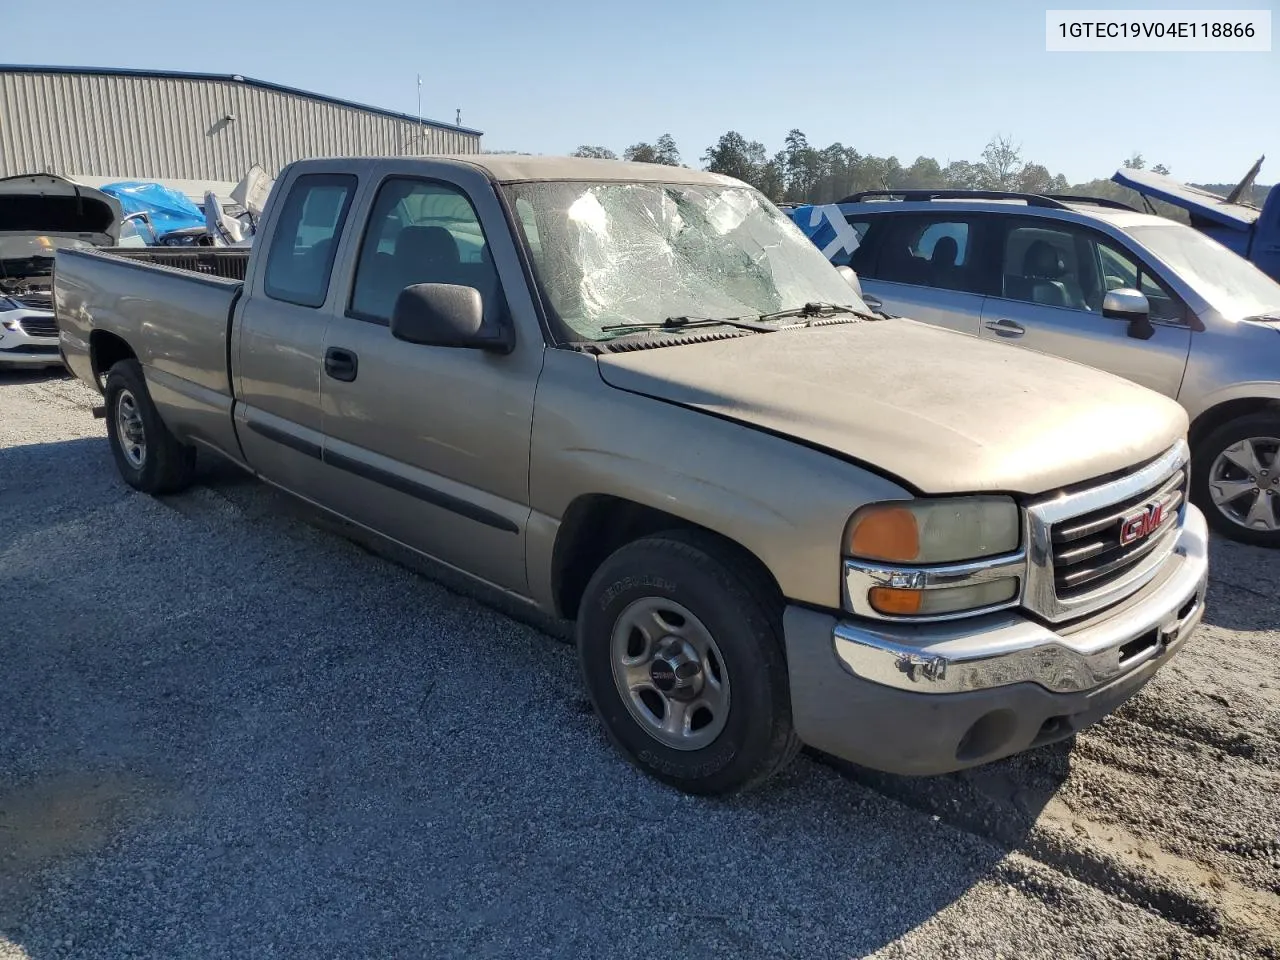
x=1142, y=524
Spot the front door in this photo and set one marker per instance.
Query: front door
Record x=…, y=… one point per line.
x=431, y=444
x=1053, y=279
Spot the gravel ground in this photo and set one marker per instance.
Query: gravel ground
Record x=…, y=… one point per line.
x=227, y=730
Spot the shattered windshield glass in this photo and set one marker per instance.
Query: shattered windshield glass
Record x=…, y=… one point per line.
x=620, y=254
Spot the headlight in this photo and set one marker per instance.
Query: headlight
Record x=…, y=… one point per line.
x=934, y=531
x=927, y=558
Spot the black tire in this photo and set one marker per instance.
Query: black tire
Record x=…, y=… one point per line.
x=165, y=464
x=742, y=613
x=1258, y=425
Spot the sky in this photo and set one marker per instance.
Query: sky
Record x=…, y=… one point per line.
x=937, y=78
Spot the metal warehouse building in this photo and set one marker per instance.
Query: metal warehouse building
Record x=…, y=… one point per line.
x=103, y=124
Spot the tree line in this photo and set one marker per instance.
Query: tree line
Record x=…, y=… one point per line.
x=802, y=173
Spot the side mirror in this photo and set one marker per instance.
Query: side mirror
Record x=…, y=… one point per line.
x=443, y=315
x=851, y=278
x=1131, y=306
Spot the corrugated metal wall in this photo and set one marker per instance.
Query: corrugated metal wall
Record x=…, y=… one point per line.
x=170, y=127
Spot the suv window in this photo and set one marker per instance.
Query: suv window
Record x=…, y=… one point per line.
x=1073, y=268
x=931, y=252
x=300, y=259
x=843, y=256
x=1120, y=270
x=420, y=231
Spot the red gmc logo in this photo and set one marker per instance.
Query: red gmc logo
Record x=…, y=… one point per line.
x=1141, y=524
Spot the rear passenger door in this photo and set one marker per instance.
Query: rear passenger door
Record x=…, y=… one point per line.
x=430, y=445
x=935, y=268
x=279, y=332
x=1054, y=275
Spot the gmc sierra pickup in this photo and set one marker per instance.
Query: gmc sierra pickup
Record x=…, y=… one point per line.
x=637, y=397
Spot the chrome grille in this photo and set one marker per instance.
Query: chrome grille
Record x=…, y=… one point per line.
x=1087, y=550
x=36, y=299
x=1077, y=560
x=39, y=326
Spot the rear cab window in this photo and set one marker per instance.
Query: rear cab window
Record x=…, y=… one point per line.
x=300, y=258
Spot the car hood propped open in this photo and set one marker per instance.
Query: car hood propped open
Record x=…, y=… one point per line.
x=42, y=204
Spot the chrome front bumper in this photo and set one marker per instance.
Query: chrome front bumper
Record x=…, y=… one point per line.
x=998, y=649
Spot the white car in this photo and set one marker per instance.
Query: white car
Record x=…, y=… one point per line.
x=40, y=214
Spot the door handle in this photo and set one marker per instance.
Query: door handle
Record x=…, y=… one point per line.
x=875, y=303
x=1006, y=328
x=340, y=364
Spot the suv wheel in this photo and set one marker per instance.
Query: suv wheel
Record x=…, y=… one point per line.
x=681, y=652
x=1235, y=479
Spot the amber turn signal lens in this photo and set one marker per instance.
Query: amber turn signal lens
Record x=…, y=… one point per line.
x=886, y=533
x=895, y=602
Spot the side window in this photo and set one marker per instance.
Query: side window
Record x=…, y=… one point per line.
x=300, y=258
x=1058, y=266
x=845, y=257
x=1050, y=265
x=931, y=252
x=420, y=231
x=1119, y=269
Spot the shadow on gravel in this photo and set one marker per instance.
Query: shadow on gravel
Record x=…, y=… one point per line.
x=1242, y=586
x=227, y=733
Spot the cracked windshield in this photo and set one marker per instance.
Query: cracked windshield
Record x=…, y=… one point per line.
x=633, y=254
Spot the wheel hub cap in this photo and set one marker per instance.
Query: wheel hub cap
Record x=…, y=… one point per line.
x=129, y=429
x=669, y=673
x=676, y=670
x=1243, y=483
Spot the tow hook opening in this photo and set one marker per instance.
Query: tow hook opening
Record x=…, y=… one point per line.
x=989, y=733
x=1139, y=645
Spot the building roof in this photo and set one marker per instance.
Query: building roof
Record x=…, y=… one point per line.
x=232, y=78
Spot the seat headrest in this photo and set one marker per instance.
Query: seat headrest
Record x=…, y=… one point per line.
x=945, y=252
x=427, y=244
x=1042, y=260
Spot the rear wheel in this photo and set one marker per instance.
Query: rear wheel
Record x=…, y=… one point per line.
x=1236, y=479
x=147, y=455
x=680, y=643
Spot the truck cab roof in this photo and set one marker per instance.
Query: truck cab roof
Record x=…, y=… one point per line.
x=519, y=168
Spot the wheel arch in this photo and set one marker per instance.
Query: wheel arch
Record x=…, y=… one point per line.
x=595, y=525
x=1224, y=412
x=106, y=349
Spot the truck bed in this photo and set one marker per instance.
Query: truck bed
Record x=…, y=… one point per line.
x=173, y=311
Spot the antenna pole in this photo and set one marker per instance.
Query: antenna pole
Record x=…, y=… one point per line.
x=420, y=129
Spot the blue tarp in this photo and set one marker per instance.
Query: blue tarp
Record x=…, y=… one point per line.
x=169, y=210
x=826, y=226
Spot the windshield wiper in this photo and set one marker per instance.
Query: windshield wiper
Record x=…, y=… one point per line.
x=815, y=310
x=684, y=323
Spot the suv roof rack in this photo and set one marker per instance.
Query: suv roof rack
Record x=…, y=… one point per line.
x=1096, y=201
x=1031, y=199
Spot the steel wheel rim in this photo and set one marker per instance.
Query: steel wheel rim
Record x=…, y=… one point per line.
x=130, y=431
x=1244, y=483
x=694, y=708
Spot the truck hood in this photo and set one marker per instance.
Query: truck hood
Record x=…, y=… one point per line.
x=1200, y=203
x=941, y=411
x=42, y=204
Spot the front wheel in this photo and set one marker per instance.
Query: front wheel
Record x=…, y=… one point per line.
x=680, y=644
x=1235, y=479
x=149, y=457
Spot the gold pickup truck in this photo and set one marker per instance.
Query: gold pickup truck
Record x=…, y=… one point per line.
x=637, y=397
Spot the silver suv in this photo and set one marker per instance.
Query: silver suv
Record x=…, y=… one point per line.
x=1099, y=282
